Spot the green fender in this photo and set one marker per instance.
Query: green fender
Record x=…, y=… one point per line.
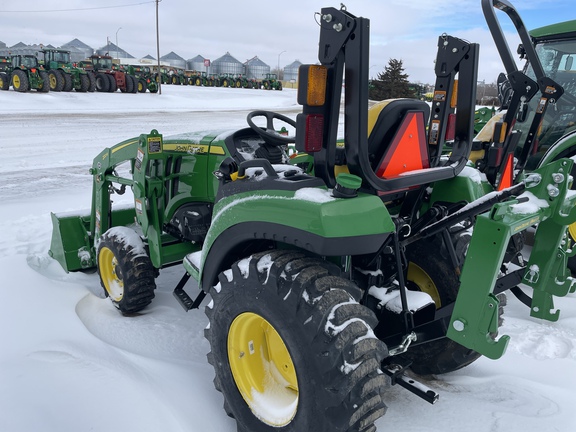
x=564, y=147
x=467, y=186
x=309, y=219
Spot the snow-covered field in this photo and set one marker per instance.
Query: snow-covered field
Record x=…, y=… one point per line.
x=69, y=362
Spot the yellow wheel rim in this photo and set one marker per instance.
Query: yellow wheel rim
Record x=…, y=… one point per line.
x=53, y=82
x=263, y=369
x=572, y=230
x=107, y=263
x=424, y=282
x=16, y=81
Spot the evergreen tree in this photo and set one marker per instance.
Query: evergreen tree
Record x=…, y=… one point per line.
x=391, y=83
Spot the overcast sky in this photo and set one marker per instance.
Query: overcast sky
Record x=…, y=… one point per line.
x=275, y=31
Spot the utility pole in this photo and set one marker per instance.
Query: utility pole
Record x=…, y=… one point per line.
x=117, y=56
x=158, y=49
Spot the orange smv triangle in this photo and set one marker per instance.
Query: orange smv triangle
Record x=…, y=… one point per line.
x=408, y=151
x=507, y=178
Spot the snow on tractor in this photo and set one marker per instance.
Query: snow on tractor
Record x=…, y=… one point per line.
x=329, y=283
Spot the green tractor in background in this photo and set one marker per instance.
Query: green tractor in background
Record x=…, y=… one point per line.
x=63, y=75
x=270, y=82
x=144, y=78
x=482, y=116
x=24, y=73
x=329, y=283
x=178, y=77
x=540, y=103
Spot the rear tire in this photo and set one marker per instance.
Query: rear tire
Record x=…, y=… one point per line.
x=286, y=332
x=113, y=85
x=126, y=272
x=92, y=78
x=141, y=86
x=45, y=87
x=68, y=83
x=430, y=271
x=84, y=83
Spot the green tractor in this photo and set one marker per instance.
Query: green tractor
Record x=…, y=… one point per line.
x=537, y=122
x=271, y=82
x=144, y=78
x=24, y=73
x=179, y=77
x=63, y=75
x=328, y=284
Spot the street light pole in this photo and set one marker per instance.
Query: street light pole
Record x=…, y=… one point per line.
x=278, y=65
x=117, y=57
x=159, y=80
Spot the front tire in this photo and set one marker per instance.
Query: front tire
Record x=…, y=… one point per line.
x=126, y=272
x=102, y=83
x=4, y=81
x=20, y=81
x=56, y=80
x=286, y=332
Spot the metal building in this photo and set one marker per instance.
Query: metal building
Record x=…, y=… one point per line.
x=228, y=64
x=113, y=51
x=256, y=68
x=174, y=59
x=291, y=71
x=196, y=63
x=78, y=50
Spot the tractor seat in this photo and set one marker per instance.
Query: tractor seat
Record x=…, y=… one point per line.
x=397, y=150
x=397, y=136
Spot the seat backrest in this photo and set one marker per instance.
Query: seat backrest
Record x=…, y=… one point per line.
x=397, y=137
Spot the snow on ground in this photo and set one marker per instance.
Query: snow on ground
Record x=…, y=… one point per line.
x=69, y=362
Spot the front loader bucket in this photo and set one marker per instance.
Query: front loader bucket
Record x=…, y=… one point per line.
x=71, y=244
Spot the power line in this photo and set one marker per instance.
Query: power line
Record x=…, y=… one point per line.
x=77, y=9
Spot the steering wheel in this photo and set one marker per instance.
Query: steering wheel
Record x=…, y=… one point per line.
x=269, y=135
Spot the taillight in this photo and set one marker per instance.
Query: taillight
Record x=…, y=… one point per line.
x=314, y=133
x=451, y=127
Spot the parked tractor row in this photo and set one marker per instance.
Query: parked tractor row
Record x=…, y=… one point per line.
x=52, y=70
x=179, y=77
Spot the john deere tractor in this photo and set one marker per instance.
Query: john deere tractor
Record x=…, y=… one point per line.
x=537, y=122
x=63, y=75
x=271, y=82
x=24, y=73
x=144, y=78
x=329, y=283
